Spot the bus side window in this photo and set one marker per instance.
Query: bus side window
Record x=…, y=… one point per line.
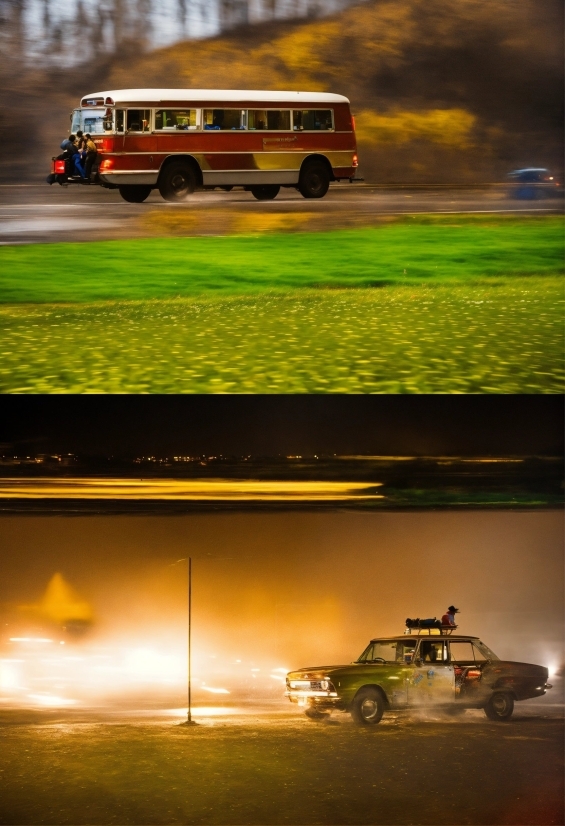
x=119, y=120
x=313, y=119
x=138, y=120
x=275, y=119
x=183, y=119
x=224, y=119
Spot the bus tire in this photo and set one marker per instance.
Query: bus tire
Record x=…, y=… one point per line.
x=135, y=194
x=176, y=181
x=314, y=180
x=266, y=192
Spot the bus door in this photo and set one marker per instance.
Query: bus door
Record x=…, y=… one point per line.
x=119, y=129
x=433, y=677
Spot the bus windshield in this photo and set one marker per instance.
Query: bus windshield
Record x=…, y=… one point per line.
x=93, y=121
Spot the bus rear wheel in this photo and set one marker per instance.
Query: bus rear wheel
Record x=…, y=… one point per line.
x=314, y=180
x=177, y=181
x=266, y=192
x=135, y=194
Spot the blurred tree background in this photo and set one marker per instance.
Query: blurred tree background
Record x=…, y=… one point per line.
x=443, y=90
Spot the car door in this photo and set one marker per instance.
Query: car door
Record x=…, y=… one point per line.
x=432, y=681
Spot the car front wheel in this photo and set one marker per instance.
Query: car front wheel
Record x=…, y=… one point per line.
x=500, y=706
x=177, y=181
x=367, y=708
x=135, y=194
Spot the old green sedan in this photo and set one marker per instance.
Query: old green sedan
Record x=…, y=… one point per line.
x=427, y=670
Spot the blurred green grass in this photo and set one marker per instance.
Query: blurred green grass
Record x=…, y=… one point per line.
x=459, y=338
x=418, y=250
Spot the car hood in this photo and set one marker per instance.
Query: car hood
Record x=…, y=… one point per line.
x=525, y=669
x=313, y=672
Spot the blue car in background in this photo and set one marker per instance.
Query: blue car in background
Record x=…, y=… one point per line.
x=533, y=183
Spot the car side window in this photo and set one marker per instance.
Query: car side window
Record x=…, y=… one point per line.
x=405, y=651
x=432, y=651
x=462, y=652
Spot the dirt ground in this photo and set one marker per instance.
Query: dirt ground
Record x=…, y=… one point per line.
x=271, y=765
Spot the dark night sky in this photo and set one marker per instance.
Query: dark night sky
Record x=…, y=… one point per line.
x=271, y=425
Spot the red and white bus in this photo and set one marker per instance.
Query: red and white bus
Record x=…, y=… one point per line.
x=179, y=140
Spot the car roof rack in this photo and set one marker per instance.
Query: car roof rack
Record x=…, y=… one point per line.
x=438, y=630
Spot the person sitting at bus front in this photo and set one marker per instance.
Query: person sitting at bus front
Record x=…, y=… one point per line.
x=73, y=154
x=91, y=152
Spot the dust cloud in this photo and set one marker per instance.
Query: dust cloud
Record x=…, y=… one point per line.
x=273, y=592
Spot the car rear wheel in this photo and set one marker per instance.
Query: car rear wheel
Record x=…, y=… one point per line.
x=135, y=194
x=266, y=192
x=500, y=706
x=177, y=181
x=314, y=180
x=367, y=708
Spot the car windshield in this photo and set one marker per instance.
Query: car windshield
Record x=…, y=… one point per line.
x=391, y=651
x=485, y=650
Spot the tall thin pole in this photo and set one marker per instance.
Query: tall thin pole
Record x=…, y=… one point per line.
x=189, y=717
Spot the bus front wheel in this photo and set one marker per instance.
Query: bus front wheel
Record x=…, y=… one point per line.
x=266, y=192
x=177, y=181
x=135, y=194
x=314, y=180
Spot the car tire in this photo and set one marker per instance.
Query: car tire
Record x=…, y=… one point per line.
x=135, y=194
x=367, y=707
x=500, y=706
x=176, y=181
x=266, y=192
x=314, y=180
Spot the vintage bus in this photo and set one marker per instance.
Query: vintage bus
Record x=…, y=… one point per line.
x=179, y=140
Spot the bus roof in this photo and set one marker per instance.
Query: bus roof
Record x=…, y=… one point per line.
x=124, y=96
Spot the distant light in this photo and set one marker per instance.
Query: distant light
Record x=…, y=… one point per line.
x=29, y=639
x=51, y=700
x=255, y=669
x=215, y=690
x=280, y=670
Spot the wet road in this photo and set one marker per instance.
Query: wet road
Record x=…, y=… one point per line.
x=39, y=213
x=269, y=765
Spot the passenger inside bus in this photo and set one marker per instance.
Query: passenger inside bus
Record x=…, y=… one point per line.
x=224, y=119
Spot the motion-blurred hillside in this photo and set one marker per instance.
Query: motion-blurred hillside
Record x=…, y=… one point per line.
x=443, y=90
